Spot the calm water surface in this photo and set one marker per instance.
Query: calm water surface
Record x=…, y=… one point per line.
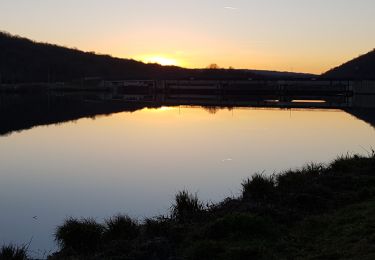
x=134, y=163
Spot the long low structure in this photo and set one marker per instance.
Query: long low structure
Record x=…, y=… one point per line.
x=220, y=87
x=245, y=86
x=364, y=87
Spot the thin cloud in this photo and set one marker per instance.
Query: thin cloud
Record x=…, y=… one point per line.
x=230, y=7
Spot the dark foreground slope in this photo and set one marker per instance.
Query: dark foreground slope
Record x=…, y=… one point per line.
x=24, y=61
x=361, y=68
x=318, y=212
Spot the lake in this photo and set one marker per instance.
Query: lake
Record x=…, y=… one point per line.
x=56, y=163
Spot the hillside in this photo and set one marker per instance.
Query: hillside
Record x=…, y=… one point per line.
x=362, y=67
x=23, y=60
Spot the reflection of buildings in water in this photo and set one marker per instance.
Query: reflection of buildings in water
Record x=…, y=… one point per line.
x=208, y=100
x=274, y=93
x=20, y=112
x=363, y=101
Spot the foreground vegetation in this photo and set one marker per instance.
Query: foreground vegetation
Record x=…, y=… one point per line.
x=317, y=212
x=12, y=252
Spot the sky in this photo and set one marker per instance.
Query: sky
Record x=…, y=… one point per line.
x=287, y=35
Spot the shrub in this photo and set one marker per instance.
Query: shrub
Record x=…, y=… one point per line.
x=299, y=180
x=346, y=162
x=157, y=227
x=255, y=250
x=205, y=249
x=258, y=188
x=157, y=248
x=121, y=227
x=242, y=226
x=83, y=236
x=12, y=252
x=187, y=206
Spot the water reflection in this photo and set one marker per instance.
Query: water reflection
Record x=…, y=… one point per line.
x=137, y=156
x=21, y=112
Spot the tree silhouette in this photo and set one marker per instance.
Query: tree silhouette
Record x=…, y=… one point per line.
x=213, y=66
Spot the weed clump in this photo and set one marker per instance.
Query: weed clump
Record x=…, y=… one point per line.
x=157, y=227
x=121, y=227
x=83, y=236
x=186, y=207
x=241, y=226
x=12, y=252
x=259, y=188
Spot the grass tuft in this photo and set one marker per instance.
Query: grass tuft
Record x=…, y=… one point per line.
x=11, y=252
x=241, y=226
x=259, y=188
x=187, y=206
x=84, y=236
x=157, y=227
x=121, y=227
x=299, y=180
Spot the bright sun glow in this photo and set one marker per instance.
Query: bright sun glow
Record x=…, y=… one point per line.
x=159, y=109
x=161, y=60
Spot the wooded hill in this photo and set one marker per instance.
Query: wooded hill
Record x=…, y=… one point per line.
x=23, y=60
x=362, y=68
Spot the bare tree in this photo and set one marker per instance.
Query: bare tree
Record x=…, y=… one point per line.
x=213, y=66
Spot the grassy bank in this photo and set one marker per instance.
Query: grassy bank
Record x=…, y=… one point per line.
x=317, y=212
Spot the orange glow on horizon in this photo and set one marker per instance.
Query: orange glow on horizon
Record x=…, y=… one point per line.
x=160, y=109
x=162, y=60
x=262, y=35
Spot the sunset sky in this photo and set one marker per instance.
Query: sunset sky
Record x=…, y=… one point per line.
x=288, y=35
